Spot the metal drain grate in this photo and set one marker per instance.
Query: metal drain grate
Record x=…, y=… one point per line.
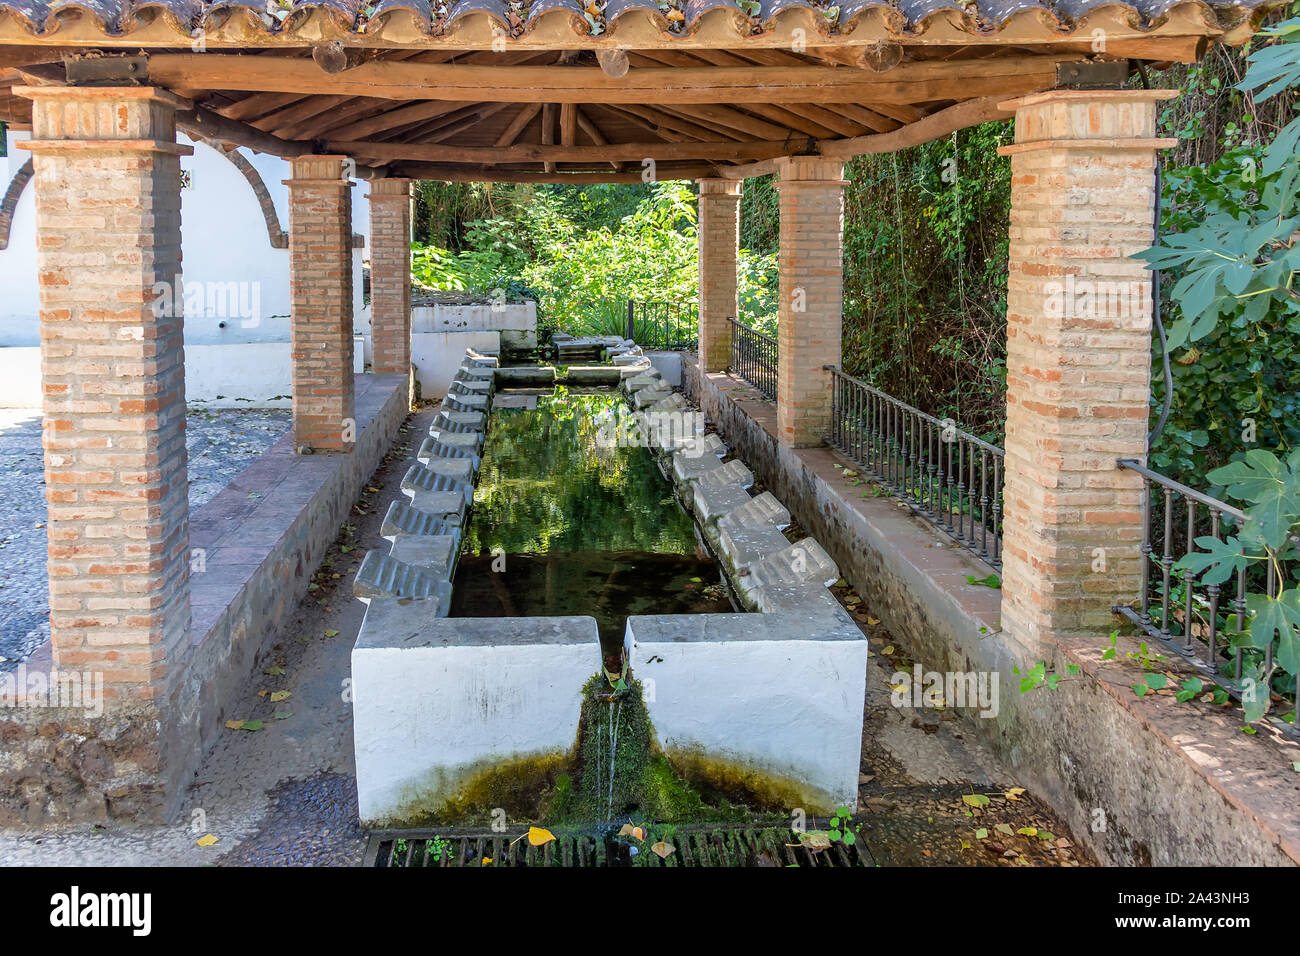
x=704, y=846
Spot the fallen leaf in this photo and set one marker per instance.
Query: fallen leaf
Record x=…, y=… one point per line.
x=208, y=840
x=1014, y=793
x=331, y=633
x=981, y=834
x=1028, y=831
x=280, y=695
x=250, y=725
x=663, y=850
x=539, y=837
x=275, y=671
x=282, y=714
x=815, y=840
x=975, y=800
x=1004, y=828
x=888, y=650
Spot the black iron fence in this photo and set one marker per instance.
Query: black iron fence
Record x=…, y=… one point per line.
x=670, y=326
x=753, y=358
x=1194, y=613
x=947, y=475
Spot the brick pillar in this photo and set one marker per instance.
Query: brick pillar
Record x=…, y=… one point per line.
x=1078, y=357
x=719, y=235
x=320, y=277
x=390, y=275
x=108, y=239
x=812, y=290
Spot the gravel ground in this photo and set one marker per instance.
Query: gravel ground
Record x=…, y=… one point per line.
x=221, y=443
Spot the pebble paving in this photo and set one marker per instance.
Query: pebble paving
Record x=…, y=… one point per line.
x=220, y=442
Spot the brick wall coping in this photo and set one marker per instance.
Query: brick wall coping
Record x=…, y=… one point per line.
x=101, y=145
x=113, y=93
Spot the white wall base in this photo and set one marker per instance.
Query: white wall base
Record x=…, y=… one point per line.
x=437, y=355
x=438, y=700
x=781, y=695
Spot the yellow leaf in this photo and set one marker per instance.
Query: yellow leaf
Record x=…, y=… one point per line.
x=872, y=621
x=626, y=830
x=206, y=840
x=888, y=650
x=487, y=861
x=280, y=695
x=1028, y=831
x=1014, y=793
x=663, y=850
x=234, y=724
x=638, y=833
x=539, y=837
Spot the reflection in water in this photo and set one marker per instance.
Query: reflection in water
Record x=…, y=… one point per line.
x=584, y=527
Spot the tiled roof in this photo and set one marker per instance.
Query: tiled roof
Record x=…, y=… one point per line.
x=739, y=19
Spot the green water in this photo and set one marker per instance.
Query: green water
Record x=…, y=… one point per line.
x=581, y=525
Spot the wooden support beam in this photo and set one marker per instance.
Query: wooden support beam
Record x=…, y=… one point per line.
x=568, y=124
x=548, y=131
x=403, y=116
x=917, y=81
x=446, y=172
x=934, y=126
x=660, y=120
x=522, y=119
x=212, y=126
x=562, y=153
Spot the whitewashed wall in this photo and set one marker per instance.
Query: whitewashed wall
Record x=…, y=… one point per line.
x=224, y=239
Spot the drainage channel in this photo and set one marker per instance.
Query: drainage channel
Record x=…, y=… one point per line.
x=691, y=846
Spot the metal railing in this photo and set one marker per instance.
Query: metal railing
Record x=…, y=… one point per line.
x=1200, y=619
x=671, y=326
x=945, y=474
x=753, y=358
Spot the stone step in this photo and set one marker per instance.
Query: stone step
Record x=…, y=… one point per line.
x=477, y=359
x=743, y=546
x=804, y=562
x=471, y=442
x=460, y=386
x=382, y=575
x=731, y=472
x=649, y=379
x=460, y=402
x=435, y=553
x=805, y=599
x=759, y=511
x=476, y=372
x=634, y=369
x=673, y=402
x=712, y=501
x=433, y=448
x=632, y=356
x=418, y=478
x=458, y=468
x=459, y=421
x=688, y=466
x=450, y=506
x=649, y=396
x=404, y=519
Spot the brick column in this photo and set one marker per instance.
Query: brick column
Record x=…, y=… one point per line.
x=320, y=277
x=812, y=290
x=1078, y=357
x=108, y=239
x=390, y=275
x=719, y=235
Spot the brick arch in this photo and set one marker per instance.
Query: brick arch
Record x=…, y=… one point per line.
x=279, y=238
x=10, y=201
